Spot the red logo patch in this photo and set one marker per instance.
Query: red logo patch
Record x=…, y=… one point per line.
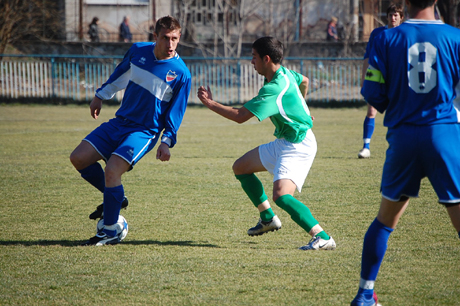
x=170, y=76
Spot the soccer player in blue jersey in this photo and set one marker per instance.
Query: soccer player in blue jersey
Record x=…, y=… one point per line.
x=157, y=86
x=290, y=156
x=414, y=77
x=395, y=15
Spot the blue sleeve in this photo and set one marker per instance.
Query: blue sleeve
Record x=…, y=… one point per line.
x=176, y=112
x=118, y=80
x=371, y=41
x=374, y=88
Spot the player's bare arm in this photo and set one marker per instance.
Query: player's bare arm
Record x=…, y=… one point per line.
x=95, y=107
x=304, y=86
x=239, y=115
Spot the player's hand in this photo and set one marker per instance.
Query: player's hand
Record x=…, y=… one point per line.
x=163, y=153
x=95, y=107
x=204, y=94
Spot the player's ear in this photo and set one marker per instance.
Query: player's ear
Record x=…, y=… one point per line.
x=267, y=59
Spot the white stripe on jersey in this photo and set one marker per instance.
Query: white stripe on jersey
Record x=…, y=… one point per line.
x=150, y=82
x=111, y=89
x=457, y=101
x=279, y=99
x=304, y=104
x=422, y=21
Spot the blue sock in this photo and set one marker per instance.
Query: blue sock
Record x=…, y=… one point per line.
x=374, y=248
x=113, y=196
x=458, y=234
x=368, y=130
x=94, y=174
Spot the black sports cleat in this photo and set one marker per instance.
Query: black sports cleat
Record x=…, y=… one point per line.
x=100, y=209
x=101, y=238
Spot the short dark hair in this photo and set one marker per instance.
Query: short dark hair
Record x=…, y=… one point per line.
x=396, y=8
x=168, y=22
x=269, y=46
x=422, y=4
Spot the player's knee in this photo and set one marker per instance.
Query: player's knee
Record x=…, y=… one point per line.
x=277, y=195
x=237, y=167
x=76, y=160
x=112, y=175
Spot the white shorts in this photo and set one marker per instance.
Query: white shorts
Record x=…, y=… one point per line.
x=287, y=160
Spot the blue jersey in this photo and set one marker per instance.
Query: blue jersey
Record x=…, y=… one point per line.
x=156, y=92
x=414, y=74
x=370, y=43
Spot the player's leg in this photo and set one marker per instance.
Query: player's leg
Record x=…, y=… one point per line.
x=114, y=192
x=135, y=145
x=283, y=195
x=368, y=131
x=443, y=168
x=375, y=246
x=454, y=214
x=85, y=160
x=113, y=198
x=244, y=169
x=97, y=145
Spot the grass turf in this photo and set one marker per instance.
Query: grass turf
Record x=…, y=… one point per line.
x=187, y=242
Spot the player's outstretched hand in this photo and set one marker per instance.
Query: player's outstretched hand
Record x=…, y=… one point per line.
x=204, y=94
x=95, y=107
x=163, y=153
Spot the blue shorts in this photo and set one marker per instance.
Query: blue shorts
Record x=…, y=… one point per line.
x=124, y=138
x=416, y=152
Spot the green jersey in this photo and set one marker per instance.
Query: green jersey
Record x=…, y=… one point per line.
x=281, y=100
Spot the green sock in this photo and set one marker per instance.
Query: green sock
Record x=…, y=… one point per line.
x=267, y=214
x=253, y=188
x=299, y=212
x=323, y=235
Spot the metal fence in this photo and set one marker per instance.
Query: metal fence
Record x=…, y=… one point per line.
x=232, y=80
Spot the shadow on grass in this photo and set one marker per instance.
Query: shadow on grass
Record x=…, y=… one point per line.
x=73, y=243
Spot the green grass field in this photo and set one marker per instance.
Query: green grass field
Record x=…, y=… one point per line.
x=187, y=241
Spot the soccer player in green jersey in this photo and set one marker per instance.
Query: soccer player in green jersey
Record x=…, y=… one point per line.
x=290, y=156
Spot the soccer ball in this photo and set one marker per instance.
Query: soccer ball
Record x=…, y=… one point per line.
x=122, y=227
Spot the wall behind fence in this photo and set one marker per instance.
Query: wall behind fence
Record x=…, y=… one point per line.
x=232, y=80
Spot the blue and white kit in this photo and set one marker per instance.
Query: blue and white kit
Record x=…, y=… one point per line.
x=418, y=98
x=155, y=100
x=156, y=92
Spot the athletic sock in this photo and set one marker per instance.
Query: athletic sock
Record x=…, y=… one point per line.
x=323, y=235
x=368, y=130
x=253, y=188
x=113, y=196
x=458, y=234
x=374, y=248
x=94, y=174
x=267, y=214
x=298, y=211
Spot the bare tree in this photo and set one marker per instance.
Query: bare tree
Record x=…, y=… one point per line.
x=29, y=19
x=226, y=21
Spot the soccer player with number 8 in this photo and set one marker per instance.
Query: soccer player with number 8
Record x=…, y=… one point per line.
x=413, y=77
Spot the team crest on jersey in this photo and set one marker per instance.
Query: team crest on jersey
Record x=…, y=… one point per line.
x=170, y=76
x=142, y=60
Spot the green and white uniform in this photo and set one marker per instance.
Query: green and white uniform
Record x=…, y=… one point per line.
x=291, y=155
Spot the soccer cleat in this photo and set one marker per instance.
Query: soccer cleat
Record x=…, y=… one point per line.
x=318, y=243
x=101, y=238
x=362, y=301
x=265, y=226
x=99, y=212
x=364, y=153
